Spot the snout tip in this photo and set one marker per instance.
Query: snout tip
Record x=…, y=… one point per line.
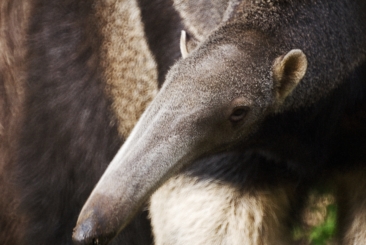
x=82, y=233
x=91, y=231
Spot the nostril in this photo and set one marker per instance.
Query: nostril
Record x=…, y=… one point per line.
x=86, y=232
x=95, y=241
x=92, y=232
x=97, y=222
x=89, y=240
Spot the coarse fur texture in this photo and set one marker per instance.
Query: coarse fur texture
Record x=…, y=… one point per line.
x=349, y=178
x=162, y=33
x=13, y=27
x=74, y=78
x=69, y=134
x=226, y=199
x=133, y=81
x=244, y=88
x=201, y=17
x=220, y=213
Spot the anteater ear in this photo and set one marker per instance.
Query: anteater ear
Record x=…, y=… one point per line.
x=183, y=44
x=288, y=71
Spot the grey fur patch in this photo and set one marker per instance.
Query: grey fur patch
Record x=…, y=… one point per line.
x=202, y=16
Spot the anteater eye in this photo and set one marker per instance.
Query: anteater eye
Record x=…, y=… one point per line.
x=238, y=113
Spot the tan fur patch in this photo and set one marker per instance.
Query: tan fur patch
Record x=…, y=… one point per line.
x=188, y=211
x=130, y=70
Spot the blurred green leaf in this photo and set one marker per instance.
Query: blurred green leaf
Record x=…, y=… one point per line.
x=321, y=234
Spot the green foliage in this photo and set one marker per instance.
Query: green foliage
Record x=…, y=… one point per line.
x=320, y=219
x=323, y=233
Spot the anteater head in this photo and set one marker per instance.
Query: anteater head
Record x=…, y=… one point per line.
x=211, y=100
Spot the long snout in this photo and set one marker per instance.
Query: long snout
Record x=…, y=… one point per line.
x=150, y=155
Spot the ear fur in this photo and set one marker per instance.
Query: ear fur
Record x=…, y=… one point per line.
x=183, y=44
x=288, y=71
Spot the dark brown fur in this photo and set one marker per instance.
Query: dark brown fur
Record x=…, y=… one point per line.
x=57, y=130
x=13, y=25
x=162, y=27
x=67, y=138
